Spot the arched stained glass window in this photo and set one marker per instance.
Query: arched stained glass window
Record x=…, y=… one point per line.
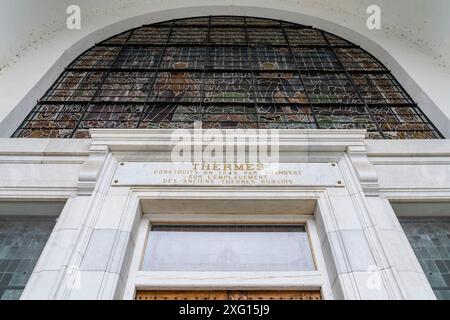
x=226, y=72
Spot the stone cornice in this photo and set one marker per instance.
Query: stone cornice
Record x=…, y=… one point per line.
x=289, y=140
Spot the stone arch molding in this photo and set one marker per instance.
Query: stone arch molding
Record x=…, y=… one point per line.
x=18, y=111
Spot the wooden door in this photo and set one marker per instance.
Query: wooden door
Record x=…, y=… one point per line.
x=228, y=295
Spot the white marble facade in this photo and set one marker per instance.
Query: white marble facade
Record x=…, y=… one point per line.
x=96, y=247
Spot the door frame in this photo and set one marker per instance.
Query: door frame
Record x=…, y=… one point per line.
x=237, y=280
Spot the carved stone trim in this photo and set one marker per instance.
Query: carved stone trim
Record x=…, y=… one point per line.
x=91, y=169
x=364, y=169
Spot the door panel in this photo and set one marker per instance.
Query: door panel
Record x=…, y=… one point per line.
x=228, y=295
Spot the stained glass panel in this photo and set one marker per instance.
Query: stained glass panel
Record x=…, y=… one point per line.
x=138, y=57
x=380, y=88
x=305, y=37
x=191, y=21
x=358, y=59
x=119, y=39
x=227, y=20
x=149, y=35
x=111, y=116
x=74, y=86
x=261, y=22
x=279, y=88
x=97, y=57
x=330, y=88
x=184, y=58
x=266, y=36
x=188, y=35
x=227, y=36
x=226, y=72
x=344, y=117
x=272, y=58
x=316, y=59
x=228, y=87
x=125, y=86
x=229, y=58
x=336, y=41
x=177, y=87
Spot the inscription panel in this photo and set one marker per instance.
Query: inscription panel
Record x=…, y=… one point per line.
x=227, y=174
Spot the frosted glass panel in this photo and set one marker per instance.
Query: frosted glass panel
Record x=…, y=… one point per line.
x=228, y=249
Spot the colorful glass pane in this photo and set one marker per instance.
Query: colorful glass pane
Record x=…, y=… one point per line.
x=226, y=72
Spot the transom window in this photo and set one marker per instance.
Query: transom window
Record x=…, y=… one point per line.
x=226, y=72
x=228, y=248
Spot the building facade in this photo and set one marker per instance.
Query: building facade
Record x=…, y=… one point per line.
x=225, y=152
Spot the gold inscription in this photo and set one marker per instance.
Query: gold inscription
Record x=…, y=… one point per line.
x=228, y=174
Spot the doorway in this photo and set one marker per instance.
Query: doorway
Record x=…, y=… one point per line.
x=228, y=295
